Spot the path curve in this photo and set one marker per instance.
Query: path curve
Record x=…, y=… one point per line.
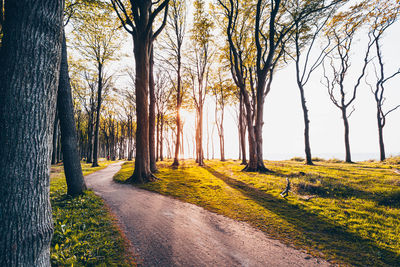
x=167, y=232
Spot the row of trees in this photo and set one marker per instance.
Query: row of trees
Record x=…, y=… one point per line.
x=316, y=36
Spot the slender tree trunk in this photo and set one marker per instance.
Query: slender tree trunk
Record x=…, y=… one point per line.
x=346, y=135
x=130, y=134
x=306, y=124
x=201, y=153
x=98, y=111
x=29, y=64
x=72, y=165
x=162, y=137
x=242, y=129
x=178, y=115
x=55, y=141
x=89, y=155
x=58, y=157
x=380, y=135
x=158, y=137
x=142, y=172
x=152, y=116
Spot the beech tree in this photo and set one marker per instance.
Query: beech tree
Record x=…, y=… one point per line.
x=383, y=14
x=137, y=18
x=222, y=91
x=341, y=33
x=172, y=45
x=199, y=71
x=304, y=37
x=30, y=58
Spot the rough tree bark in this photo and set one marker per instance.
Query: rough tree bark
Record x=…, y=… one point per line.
x=65, y=109
x=29, y=66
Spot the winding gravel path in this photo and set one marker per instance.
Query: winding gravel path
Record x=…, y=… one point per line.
x=168, y=232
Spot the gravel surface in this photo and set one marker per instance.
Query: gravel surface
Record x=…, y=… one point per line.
x=167, y=232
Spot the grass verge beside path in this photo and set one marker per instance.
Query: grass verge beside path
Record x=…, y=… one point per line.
x=346, y=213
x=85, y=233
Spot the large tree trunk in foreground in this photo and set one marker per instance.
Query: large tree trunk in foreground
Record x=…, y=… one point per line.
x=98, y=110
x=142, y=173
x=72, y=165
x=29, y=67
x=152, y=116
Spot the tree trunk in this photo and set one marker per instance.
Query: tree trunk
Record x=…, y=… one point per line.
x=98, y=111
x=162, y=137
x=72, y=165
x=89, y=156
x=158, y=137
x=242, y=129
x=380, y=134
x=152, y=116
x=252, y=164
x=200, y=155
x=259, y=123
x=29, y=66
x=142, y=173
x=178, y=115
x=346, y=135
x=130, y=143
x=306, y=125
x=55, y=141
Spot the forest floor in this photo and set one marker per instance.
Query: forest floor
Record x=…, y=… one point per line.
x=85, y=232
x=168, y=232
x=348, y=214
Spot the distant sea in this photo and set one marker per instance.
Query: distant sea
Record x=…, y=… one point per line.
x=341, y=156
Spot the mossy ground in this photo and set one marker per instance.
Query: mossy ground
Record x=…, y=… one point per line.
x=85, y=233
x=346, y=213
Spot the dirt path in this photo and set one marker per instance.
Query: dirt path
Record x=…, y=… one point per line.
x=168, y=232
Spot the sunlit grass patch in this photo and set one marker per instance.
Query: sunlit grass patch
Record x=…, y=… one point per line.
x=84, y=231
x=348, y=212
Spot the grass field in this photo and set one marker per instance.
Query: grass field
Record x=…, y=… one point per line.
x=84, y=231
x=346, y=213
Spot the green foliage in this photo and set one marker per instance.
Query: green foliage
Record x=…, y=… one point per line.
x=347, y=213
x=84, y=232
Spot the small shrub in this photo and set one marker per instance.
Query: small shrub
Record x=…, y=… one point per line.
x=334, y=160
x=298, y=159
x=393, y=160
x=317, y=159
x=306, y=188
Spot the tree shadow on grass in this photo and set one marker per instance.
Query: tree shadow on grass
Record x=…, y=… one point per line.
x=333, y=240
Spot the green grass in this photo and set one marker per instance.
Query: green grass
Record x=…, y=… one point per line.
x=346, y=213
x=85, y=233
